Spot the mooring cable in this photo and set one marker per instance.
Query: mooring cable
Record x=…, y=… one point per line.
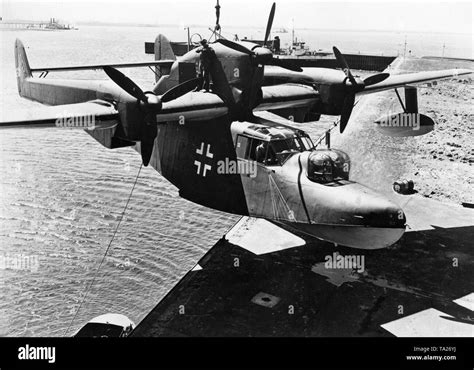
x=106, y=251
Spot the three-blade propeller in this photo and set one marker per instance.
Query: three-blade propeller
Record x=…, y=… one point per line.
x=126, y=84
x=150, y=105
x=262, y=55
x=356, y=85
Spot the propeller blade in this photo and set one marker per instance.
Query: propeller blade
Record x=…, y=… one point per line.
x=375, y=79
x=235, y=46
x=343, y=63
x=287, y=64
x=269, y=25
x=220, y=84
x=181, y=89
x=125, y=83
x=255, y=89
x=147, y=142
x=346, y=111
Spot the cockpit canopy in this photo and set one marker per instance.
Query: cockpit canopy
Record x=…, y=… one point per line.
x=276, y=152
x=272, y=146
x=328, y=165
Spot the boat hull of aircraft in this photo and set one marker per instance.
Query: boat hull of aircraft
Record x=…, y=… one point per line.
x=354, y=236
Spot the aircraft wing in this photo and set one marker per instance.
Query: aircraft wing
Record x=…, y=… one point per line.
x=312, y=75
x=413, y=78
x=159, y=63
x=96, y=113
x=196, y=106
x=204, y=106
x=287, y=96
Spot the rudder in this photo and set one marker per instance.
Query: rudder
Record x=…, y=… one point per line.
x=23, y=70
x=163, y=49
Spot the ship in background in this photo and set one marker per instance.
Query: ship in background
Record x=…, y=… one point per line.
x=52, y=25
x=297, y=51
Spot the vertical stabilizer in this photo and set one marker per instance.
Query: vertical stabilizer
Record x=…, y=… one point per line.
x=163, y=49
x=23, y=70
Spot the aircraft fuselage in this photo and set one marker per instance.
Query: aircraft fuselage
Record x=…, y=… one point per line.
x=215, y=164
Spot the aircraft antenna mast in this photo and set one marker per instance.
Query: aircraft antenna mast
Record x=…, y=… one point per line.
x=218, y=15
x=405, y=49
x=293, y=32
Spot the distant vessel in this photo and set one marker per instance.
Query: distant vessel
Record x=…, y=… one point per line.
x=281, y=30
x=55, y=25
x=52, y=25
x=299, y=48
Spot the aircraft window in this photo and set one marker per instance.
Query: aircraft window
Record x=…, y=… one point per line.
x=242, y=146
x=325, y=166
x=320, y=168
x=271, y=153
x=260, y=151
x=257, y=150
x=251, y=149
x=281, y=150
x=308, y=144
x=298, y=144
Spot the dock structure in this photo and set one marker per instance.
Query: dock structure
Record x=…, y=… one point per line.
x=260, y=280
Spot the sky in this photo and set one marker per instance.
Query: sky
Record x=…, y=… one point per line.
x=389, y=15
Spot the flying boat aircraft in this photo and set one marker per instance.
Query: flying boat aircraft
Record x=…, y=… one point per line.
x=234, y=149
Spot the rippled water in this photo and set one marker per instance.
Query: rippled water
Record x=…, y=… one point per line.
x=62, y=194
